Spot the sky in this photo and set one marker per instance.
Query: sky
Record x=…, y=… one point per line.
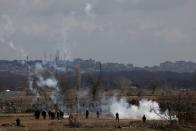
x=141, y=32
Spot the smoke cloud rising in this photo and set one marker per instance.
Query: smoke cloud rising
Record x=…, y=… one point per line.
x=88, y=9
x=148, y=108
x=7, y=31
x=50, y=82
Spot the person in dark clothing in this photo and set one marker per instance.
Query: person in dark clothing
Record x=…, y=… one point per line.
x=87, y=114
x=117, y=121
x=18, y=122
x=44, y=114
x=144, y=118
x=117, y=117
x=97, y=114
x=58, y=115
x=52, y=115
x=49, y=114
x=61, y=114
x=37, y=114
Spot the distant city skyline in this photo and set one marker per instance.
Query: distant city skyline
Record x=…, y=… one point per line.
x=91, y=65
x=139, y=32
x=177, y=62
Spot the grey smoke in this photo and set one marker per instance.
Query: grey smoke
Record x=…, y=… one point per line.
x=82, y=93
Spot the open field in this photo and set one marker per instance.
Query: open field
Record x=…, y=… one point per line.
x=28, y=123
x=106, y=121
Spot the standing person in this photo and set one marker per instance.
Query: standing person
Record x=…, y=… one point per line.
x=117, y=117
x=87, y=114
x=44, y=114
x=117, y=120
x=17, y=121
x=97, y=114
x=52, y=115
x=144, y=118
x=58, y=115
x=37, y=114
x=49, y=114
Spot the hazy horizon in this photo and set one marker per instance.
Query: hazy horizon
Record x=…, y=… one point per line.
x=139, y=32
x=157, y=64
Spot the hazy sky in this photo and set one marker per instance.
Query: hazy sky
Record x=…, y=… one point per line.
x=142, y=32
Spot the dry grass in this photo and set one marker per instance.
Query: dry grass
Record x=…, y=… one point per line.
x=7, y=123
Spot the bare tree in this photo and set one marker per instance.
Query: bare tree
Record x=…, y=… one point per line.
x=153, y=84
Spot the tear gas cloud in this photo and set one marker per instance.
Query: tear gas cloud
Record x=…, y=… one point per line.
x=7, y=30
x=42, y=83
x=88, y=9
x=148, y=108
x=49, y=82
x=145, y=107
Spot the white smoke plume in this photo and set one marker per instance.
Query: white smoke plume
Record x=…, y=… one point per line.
x=7, y=29
x=18, y=49
x=148, y=108
x=49, y=82
x=88, y=9
x=30, y=81
x=33, y=90
x=38, y=68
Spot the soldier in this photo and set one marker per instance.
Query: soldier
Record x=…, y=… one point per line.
x=97, y=114
x=87, y=114
x=44, y=114
x=144, y=118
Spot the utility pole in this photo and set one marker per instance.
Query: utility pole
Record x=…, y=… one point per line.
x=78, y=83
x=100, y=72
x=28, y=74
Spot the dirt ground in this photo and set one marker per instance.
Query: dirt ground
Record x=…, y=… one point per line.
x=29, y=123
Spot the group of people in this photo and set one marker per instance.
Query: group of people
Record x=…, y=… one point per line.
x=51, y=114
x=59, y=115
